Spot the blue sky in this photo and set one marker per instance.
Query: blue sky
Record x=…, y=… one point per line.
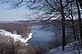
x=12, y=15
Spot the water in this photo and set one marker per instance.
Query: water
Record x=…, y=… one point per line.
x=40, y=36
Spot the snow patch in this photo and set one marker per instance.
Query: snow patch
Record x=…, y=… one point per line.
x=69, y=49
x=16, y=37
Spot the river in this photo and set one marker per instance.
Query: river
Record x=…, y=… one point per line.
x=40, y=36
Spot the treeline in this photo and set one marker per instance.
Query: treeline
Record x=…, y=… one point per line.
x=21, y=29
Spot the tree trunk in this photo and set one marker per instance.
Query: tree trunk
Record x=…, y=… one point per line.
x=80, y=2
x=80, y=25
x=63, y=26
x=73, y=28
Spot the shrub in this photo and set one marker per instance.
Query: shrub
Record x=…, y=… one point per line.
x=7, y=46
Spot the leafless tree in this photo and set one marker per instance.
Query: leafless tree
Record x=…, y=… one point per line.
x=53, y=8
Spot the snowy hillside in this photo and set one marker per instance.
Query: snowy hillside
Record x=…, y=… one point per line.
x=16, y=37
x=72, y=48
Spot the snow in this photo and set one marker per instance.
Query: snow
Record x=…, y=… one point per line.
x=69, y=49
x=16, y=37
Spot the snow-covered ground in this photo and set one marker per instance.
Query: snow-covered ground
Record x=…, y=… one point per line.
x=71, y=48
x=16, y=37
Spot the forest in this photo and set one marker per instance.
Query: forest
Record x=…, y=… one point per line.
x=62, y=17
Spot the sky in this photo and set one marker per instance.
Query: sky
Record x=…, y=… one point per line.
x=12, y=14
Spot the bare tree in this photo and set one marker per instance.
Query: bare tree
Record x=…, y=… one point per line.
x=52, y=7
x=79, y=17
x=80, y=2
